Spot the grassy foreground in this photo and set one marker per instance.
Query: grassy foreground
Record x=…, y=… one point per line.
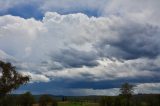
x=77, y=104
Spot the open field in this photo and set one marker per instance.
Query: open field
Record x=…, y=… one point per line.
x=77, y=104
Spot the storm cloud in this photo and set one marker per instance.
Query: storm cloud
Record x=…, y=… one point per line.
x=82, y=53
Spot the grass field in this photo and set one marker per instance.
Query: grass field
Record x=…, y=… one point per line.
x=77, y=104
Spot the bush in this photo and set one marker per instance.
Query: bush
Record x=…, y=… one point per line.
x=26, y=99
x=46, y=100
x=8, y=100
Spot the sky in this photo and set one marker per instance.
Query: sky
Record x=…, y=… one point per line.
x=82, y=47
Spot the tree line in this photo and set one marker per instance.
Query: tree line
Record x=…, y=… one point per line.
x=127, y=98
x=27, y=99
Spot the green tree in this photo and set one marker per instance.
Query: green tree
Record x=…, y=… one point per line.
x=126, y=91
x=10, y=79
x=26, y=99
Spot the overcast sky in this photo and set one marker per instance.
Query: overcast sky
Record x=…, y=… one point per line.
x=82, y=47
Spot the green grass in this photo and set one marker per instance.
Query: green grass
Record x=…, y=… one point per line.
x=77, y=104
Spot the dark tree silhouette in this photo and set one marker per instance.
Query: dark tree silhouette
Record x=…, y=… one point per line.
x=10, y=79
x=64, y=98
x=26, y=99
x=46, y=100
x=9, y=100
x=126, y=91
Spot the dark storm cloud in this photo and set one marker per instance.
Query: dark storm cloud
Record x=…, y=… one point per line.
x=107, y=51
x=75, y=58
x=134, y=41
x=107, y=84
x=71, y=84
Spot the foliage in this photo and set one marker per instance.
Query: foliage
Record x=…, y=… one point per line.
x=64, y=98
x=10, y=79
x=26, y=99
x=136, y=100
x=9, y=100
x=126, y=89
x=46, y=100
